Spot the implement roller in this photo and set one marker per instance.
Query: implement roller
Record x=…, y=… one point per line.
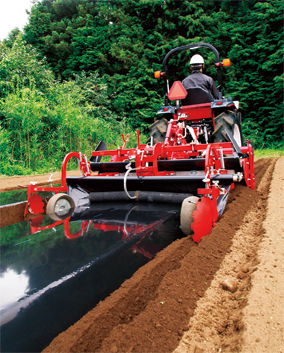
x=194, y=156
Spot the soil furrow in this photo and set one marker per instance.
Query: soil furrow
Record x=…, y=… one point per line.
x=217, y=324
x=264, y=314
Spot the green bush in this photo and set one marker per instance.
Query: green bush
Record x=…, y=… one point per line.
x=43, y=121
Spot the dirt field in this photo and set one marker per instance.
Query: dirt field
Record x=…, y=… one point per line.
x=224, y=294
x=18, y=182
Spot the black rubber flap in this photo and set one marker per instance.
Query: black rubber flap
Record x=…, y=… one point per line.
x=100, y=147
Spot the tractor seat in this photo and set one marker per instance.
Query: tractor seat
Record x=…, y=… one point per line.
x=197, y=95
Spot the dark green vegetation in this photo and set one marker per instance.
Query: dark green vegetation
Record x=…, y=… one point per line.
x=91, y=75
x=43, y=118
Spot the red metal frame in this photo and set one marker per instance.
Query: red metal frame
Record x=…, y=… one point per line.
x=37, y=206
x=146, y=158
x=195, y=112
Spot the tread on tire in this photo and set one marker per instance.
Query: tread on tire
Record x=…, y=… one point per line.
x=231, y=121
x=158, y=131
x=186, y=219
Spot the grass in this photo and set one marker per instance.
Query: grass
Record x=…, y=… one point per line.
x=268, y=153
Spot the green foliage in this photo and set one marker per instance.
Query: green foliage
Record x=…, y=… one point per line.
x=257, y=76
x=43, y=119
x=23, y=111
x=21, y=67
x=92, y=71
x=126, y=40
x=5, y=152
x=12, y=37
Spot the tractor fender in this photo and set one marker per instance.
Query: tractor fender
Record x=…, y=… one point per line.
x=225, y=103
x=166, y=109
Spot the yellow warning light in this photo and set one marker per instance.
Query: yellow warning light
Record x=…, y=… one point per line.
x=226, y=62
x=157, y=74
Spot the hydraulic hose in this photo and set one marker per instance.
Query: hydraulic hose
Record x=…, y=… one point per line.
x=129, y=169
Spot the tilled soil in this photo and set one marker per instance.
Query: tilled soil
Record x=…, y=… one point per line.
x=21, y=181
x=178, y=301
x=219, y=324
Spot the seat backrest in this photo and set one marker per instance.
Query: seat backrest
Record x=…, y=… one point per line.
x=197, y=95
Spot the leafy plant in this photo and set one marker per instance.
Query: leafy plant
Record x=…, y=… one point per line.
x=44, y=120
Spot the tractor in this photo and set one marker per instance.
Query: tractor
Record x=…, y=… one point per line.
x=193, y=157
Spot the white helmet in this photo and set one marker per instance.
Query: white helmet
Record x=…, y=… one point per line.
x=196, y=60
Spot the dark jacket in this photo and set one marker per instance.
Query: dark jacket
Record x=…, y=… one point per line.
x=198, y=79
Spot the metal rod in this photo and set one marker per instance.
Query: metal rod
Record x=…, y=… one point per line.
x=222, y=159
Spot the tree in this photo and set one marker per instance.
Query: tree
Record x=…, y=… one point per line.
x=126, y=40
x=257, y=76
x=21, y=67
x=12, y=36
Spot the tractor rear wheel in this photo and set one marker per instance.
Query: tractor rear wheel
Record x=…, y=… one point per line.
x=231, y=121
x=186, y=219
x=158, y=131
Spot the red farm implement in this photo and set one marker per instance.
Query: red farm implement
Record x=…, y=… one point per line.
x=194, y=156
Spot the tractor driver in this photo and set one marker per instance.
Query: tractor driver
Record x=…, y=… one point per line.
x=198, y=79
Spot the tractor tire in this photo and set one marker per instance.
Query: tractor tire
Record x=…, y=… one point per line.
x=158, y=131
x=231, y=121
x=186, y=219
